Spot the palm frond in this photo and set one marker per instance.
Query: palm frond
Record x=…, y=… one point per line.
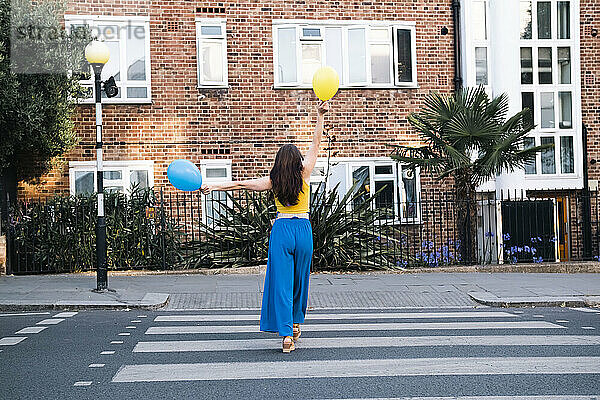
x=468, y=135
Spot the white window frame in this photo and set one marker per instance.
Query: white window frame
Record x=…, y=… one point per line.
x=124, y=166
x=345, y=25
x=413, y=46
x=295, y=83
x=471, y=60
x=372, y=162
x=300, y=39
x=215, y=39
x=392, y=51
x=121, y=22
x=204, y=166
x=574, y=87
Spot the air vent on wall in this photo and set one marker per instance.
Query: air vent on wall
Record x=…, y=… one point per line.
x=172, y=26
x=221, y=150
x=211, y=10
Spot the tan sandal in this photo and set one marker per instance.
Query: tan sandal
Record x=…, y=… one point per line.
x=288, y=345
x=296, y=332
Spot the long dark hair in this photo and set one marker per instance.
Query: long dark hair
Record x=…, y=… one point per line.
x=286, y=175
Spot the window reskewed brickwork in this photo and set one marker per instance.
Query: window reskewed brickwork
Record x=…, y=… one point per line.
x=249, y=120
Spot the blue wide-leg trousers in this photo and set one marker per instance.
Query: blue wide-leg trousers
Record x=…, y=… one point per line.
x=285, y=292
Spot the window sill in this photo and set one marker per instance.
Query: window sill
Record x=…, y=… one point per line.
x=130, y=102
x=551, y=176
x=386, y=87
x=212, y=87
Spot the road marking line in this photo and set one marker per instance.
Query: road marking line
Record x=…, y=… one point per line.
x=124, y=334
x=587, y=327
x=31, y=329
x=51, y=321
x=363, y=342
x=562, y=320
x=107, y=352
x=358, y=368
x=116, y=342
x=131, y=327
x=65, y=314
x=538, y=316
x=584, y=309
x=24, y=314
x=314, y=316
x=188, y=329
x=545, y=397
x=82, y=383
x=136, y=321
x=96, y=365
x=11, y=340
x=142, y=316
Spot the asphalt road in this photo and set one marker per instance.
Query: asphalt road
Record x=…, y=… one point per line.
x=486, y=353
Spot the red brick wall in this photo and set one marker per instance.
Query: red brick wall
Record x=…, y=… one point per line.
x=250, y=121
x=590, y=81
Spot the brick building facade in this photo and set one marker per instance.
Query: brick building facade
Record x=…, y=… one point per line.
x=247, y=121
x=179, y=100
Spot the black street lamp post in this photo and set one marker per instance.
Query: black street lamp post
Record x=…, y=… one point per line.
x=97, y=54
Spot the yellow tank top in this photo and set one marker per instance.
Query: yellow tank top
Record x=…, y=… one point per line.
x=300, y=207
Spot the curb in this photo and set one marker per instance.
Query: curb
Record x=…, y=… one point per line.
x=151, y=301
x=548, y=267
x=489, y=299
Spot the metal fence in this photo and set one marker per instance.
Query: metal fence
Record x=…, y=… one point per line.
x=175, y=230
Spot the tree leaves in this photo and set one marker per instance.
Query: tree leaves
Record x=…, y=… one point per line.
x=36, y=108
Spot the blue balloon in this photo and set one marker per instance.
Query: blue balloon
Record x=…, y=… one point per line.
x=184, y=175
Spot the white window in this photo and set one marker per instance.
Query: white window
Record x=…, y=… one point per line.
x=128, y=40
x=549, y=63
x=119, y=176
x=399, y=187
x=215, y=204
x=478, y=54
x=364, y=53
x=211, y=44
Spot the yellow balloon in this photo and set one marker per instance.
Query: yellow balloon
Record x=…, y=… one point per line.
x=325, y=83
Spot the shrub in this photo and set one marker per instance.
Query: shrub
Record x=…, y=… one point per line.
x=59, y=235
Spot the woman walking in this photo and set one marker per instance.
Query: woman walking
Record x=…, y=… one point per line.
x=285, y=292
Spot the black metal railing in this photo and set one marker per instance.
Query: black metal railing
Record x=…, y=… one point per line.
x=175, y=230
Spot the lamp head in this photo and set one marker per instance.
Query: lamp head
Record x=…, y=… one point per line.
x=97, y=53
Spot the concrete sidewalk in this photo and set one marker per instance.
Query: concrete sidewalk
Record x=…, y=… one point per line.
x=374, y=290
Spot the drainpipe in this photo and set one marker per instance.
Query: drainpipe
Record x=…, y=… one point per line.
x=586, y=202
x=458, y=82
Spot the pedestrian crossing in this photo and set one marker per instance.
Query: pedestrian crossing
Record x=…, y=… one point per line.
x=227, y=346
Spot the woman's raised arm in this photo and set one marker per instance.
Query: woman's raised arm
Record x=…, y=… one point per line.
x=313, y=151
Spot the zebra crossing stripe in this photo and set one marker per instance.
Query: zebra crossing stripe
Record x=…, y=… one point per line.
x=66, y=314
x=31, y=329
x=317, y=316
x=584, y=309
x=51, y=321
x=357, y=368
x=24, y=314
x=187, y=329
x=173, y=346
x=11, y=340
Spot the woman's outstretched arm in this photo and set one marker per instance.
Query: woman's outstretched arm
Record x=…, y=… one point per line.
x=313, y=151
x=256, y=185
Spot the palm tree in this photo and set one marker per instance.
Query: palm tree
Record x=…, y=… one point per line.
x=468, y=137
